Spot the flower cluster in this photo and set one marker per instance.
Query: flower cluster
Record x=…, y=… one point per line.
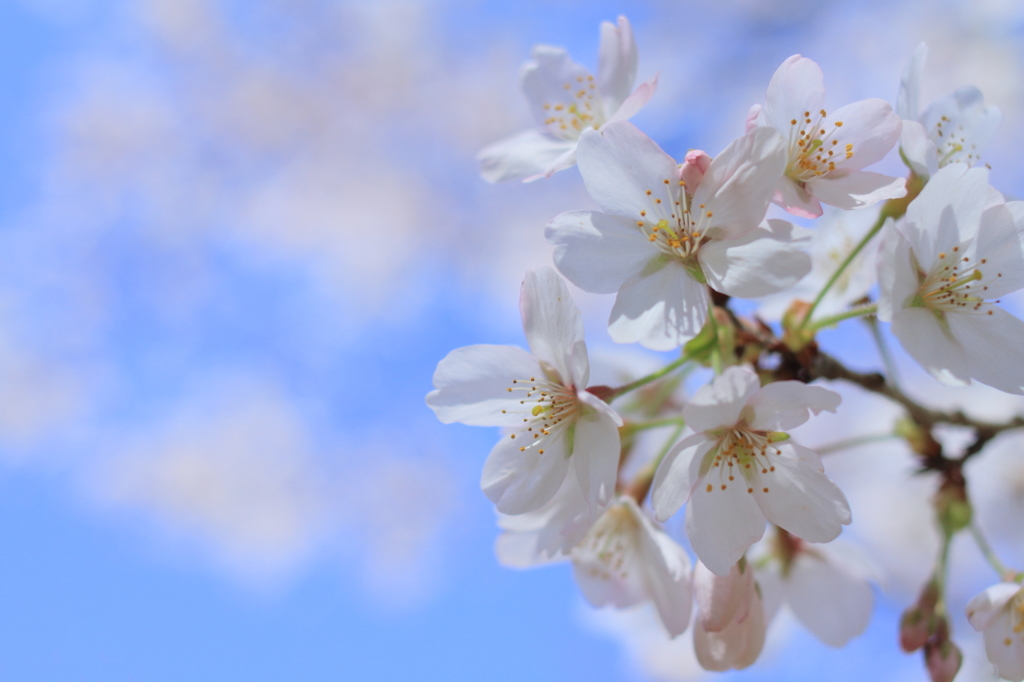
x=575, y=475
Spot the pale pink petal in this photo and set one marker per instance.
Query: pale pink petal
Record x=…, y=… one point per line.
x=798, y=497
x=999, y=243
x=616, y=62
x=850, y=189
x=917, y=149
x=521, y=480
x=521, y=156
x=796, y=199
x=667, y=573
x=897, y=272
x=930, y=341
x=966, y=125
x=785, y=405
x=635, y=102
x=544, y=81
x=672, y=481
x=908, y=101
x=984, y=608
x=566, y=160
x=739, y=184
x=552, y=322
x=693, y=168
x=520, y=550
x=764, y=261
x=797, y=86
x=737, y=646
x=722, y=599
x=661, y=308
x=471, y=385
x=722, y=523
x=1007, y=658
x=947, y=211
x=753, y=116
x=870, y=125
x=620, y=165
x=598, y=252
x=720, y=403
x=995, y=342
x=607, y=564
x=833, y=604
x=596, y=453
x=755, y=626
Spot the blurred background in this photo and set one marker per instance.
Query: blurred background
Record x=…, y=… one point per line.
x=236, y=238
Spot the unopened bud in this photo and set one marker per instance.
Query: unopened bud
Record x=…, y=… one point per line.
x=918, y=438
x=694, y=166
x=952, y=509
x=918, y=622
x=793, y=334
x=942, y=657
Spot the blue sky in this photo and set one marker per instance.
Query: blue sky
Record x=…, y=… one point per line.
x=236, y=238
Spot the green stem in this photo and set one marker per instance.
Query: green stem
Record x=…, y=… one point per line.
x=845, y=264
x=1007, y=574
x=854, y=442
x=643, y=381
x=652, y=424
x=839, y=317
x=941, y=570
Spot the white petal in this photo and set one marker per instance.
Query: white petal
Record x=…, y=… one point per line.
x=918, y=150
x=543, y=81
x=672, y=481
x=763, y=261
x=562, y=523
x=907, y=102
x=1007, y=658
x=797, y=86
x=667, y=572
x=870, y=125
x=722, y=524
x=553, y=324
x=833, y=604
x=739, y=184
x=722, y=599
x=796, y=199
x=635, y=102
x=785, y=405
x=607, y=564
x=598, y=252
x=521, y=156
x=994, y=345
x=799, y=497
x=932, y=344
x=737, y=646
x=947, y=211
x=596, y=453
x=983, y=609
x=720, y=403
x=472, y=385
x=660, y=308
x=616, y=62
x=520, y=481
x=520, y=550
x=850, y=189
x=620, y=164
x=999, y=243
x=966, y=125
x=897, y=273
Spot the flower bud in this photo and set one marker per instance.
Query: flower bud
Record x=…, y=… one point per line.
x=918, y=622
x=952, y=509
x=942, y=657
x=694, y=166
x=918, y=438
x=793, y=335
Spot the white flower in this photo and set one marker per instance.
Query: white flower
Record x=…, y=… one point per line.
x=827, y=151
x=998, y=613
x=834, y=238
x=958, y=247
x=658, y=240
x=730, y=627
x=623, y=560
x=543, y=397
x=953, y=129
x=566, y=100
x=825, y=586
x=739, y=469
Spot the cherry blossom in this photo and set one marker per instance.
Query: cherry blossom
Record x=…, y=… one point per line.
x=953, y=129
x=827, y=587
x=835, y=236
x=623, y=560
x=998, y=613
x=826, y=152
x=739, y=468
x=958, y=247
x=730, y=626
x=541, y=398
x=566, y=99
x=660, y=242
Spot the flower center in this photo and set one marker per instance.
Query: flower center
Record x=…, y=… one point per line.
x=951, y=144
x=673, y=224
x=578, y=110
x=956, y=284
x=606, y=547
x=547, y=407
x=744, y=452
x=813, y=147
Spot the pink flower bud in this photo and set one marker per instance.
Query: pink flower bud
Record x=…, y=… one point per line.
x=694, y=166
x=943, y=660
